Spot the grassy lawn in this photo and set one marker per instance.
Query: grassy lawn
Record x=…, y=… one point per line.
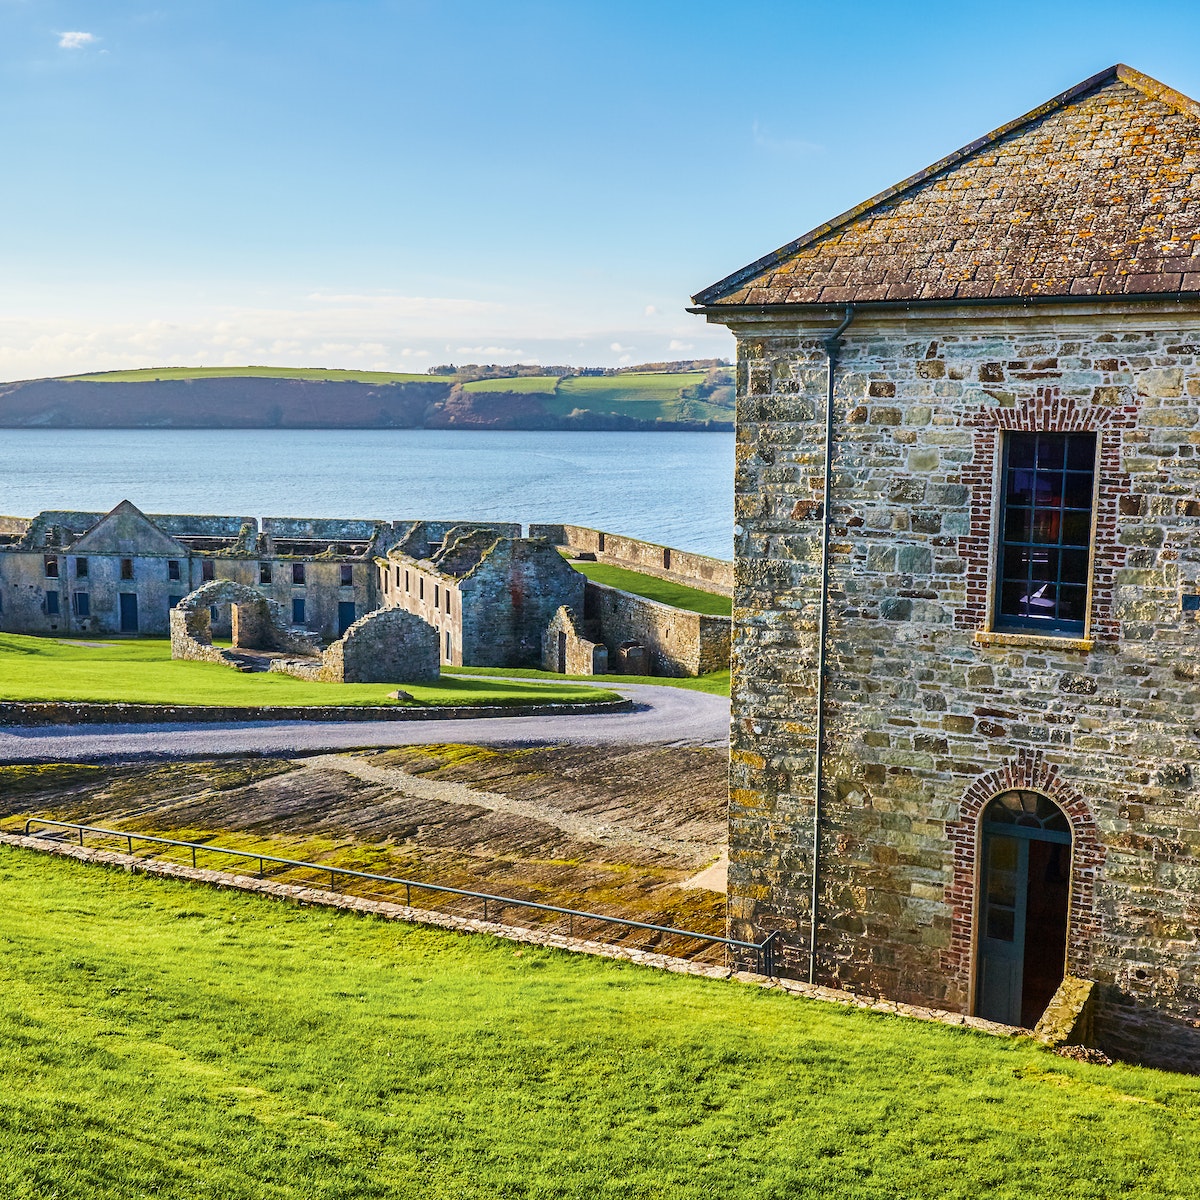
x=715, y=683
x=159, y=1039
x=143, y=672
x=663, y=590
x=149, y=374
x=517, y=383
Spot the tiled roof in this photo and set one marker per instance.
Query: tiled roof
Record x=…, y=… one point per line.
x=1097, y=192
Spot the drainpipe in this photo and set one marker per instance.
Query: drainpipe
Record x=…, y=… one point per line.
x=832, y=344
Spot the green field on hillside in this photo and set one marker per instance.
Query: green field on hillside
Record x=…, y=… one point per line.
x=678, y=595
x=142, y=672
x=161, y=1039
x=517, y=383
x=642, y=395
x=150, y=374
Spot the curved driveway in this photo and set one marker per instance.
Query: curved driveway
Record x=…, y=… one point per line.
x=664, y=715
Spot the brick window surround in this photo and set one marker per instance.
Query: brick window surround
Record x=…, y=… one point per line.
x=1029, y=771
x=1045, y=412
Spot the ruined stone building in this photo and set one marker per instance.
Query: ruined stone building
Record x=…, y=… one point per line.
x=968, y=487
x=123, y=572
x=489, y=592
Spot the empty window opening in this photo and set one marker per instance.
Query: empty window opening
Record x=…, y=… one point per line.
x=264, y=572
x=297, y=573
x=81, y=568
x=83, y=604
x=127, y=568
x=207, y=571
x=51, y=567
x=436, y=597
x=447, y=602
x=173, y=601
x=172, y=568
x=347, y=575
x=52, y=604
x=421, y=588
x=447, y=647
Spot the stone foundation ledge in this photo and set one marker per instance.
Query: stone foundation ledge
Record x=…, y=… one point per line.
x=71, y=713
x=513, y=933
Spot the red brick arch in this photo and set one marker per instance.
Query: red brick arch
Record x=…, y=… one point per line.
x=1029, y=771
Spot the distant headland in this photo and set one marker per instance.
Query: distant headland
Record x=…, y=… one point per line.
x=694, y=394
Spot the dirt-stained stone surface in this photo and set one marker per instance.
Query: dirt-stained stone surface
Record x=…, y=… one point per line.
x=606, y=829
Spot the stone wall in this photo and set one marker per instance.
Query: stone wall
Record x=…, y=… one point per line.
x=566, y=651
x=388, y=646
x=679, y=642
x=649, y=558
x=257, y=624
x=930, y=712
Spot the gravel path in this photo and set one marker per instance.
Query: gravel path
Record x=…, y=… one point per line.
x=664, y=716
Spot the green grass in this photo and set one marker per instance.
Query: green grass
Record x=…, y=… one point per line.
x=715, y=683
x=159, y=1039
x=149, y=374
x=643, y=395
x=517, y=383
x=663, y=590
x=143, y=672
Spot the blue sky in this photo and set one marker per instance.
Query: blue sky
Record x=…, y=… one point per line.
x=396, y=183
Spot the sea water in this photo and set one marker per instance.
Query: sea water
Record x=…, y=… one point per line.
x=674, y=488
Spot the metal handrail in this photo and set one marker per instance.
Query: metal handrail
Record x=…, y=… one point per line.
x=764, y=951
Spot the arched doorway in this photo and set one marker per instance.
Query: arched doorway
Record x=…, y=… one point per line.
x=1024, y=905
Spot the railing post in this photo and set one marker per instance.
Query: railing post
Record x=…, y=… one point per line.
x=261, y=872
x=408, y=895
x=81, y=835
x=193, y=856
x=485, y=917
x=333, y=881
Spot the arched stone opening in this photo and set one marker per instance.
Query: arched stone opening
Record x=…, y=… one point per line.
x=257, y=624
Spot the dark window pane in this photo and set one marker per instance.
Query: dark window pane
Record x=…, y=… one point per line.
x=1020, y=487
x=1072, y=602
x=1000, y=924
x=1077, y=492
x=1081, y=453
x=1048, y=489
x=1045, y=564
x=1018, y=525
x=1077, y=528
x=1051, y=451
x=1021, y=449
x=1047, y=524
x=1074, y=566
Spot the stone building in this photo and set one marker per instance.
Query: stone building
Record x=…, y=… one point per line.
x=123, y=572
x=966, y=726
x=489, y=592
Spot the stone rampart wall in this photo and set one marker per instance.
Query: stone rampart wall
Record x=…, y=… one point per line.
x=388, y=646
x=680, y=643
x=663, y=562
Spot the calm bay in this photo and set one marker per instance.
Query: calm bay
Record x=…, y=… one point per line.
x=674, y=488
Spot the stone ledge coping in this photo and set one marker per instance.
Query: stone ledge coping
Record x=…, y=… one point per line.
x=1035, y=641
x=513, y=933
x=72, y=713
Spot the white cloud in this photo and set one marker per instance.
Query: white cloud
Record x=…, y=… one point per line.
x=616, y=347
x=676, y=344
x=75, y=40
x=651, y=310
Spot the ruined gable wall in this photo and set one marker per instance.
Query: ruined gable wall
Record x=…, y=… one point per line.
x=919, y=710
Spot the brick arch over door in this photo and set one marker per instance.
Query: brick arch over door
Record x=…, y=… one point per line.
x=1029, y=771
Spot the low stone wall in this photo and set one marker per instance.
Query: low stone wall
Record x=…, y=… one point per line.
x=67, y=713
x=1134, y=1029
x=387, y=911
x=566, y=651
x=389, y=645
x=664, y=562
x=679, y=642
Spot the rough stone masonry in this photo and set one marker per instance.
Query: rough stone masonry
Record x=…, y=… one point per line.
x=934, y=709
